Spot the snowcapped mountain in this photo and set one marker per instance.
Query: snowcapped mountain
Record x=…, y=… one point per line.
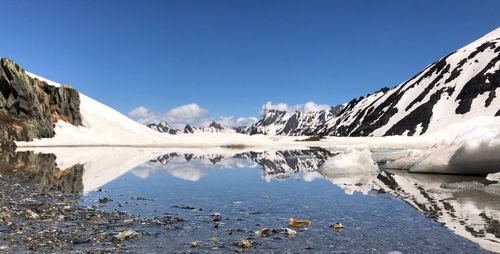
x=163, y=127
x=214, y=127
x=458, y=87
x=276, y=122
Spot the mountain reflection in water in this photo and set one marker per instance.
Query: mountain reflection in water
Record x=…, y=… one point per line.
x=469, y=206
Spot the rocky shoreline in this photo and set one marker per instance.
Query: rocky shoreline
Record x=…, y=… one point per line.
x=52, y=221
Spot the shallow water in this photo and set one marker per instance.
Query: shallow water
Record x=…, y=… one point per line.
x=388, y=211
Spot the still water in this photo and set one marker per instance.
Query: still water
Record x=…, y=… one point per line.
x=389, y=211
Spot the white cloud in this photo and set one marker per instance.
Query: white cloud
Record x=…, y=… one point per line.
x=187, y=111
x=237, y=121
x=139, y=112
x=311, y=107
x=308, y=107
x=191, y=114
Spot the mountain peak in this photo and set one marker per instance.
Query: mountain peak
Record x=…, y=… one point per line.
x=216, y=126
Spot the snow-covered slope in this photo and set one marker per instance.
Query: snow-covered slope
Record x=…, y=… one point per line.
x=101, y=125
x=458, y=87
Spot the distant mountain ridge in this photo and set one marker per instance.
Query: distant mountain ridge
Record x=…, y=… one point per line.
x=276, y=122
x=214, y=127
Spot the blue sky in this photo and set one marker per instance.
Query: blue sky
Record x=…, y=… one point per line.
x=230, y=57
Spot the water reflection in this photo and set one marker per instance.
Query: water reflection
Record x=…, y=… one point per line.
x=41, y=170
x=469, y=206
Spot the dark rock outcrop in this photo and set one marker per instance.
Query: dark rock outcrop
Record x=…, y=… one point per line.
x=216, y=126
x=188, y=129
x=163, y=127
x=29, y=107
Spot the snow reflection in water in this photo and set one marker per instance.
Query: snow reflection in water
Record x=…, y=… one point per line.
x=468, y=206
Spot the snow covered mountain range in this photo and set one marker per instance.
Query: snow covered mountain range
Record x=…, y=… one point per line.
x=457, y=87
x=214, y=127
x=276, y=122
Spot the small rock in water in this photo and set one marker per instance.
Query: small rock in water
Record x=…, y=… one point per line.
x=337, y=226
x=5, y=217
x=217, y=217
x=289, y=232
x=244, y=244
x=265, y=232
x=298, y=223
x=187, y=207
x=127, y=234
x=214, y=240
x=104, y=200
x=32, y=215
x=81, y=240
x=195, y=244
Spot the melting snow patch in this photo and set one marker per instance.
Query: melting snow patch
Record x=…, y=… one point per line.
x=474, y=152
x=351, y=161
x=494, y=177
x=351, y=170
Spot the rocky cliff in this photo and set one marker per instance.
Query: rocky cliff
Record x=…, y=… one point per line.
x=29, y=107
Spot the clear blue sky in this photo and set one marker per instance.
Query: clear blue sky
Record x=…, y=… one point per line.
x=232, y=56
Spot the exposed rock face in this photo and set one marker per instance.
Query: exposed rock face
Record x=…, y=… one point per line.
x=215, y=126
x=30, y=107
x=188, y=129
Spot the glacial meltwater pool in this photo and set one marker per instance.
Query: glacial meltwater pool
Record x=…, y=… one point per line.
x=214, y=200
x=388, y=212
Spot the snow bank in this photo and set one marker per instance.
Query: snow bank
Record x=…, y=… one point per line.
x=493, y=177
x=352, y=170
x=475, y=151
x=351, y=161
